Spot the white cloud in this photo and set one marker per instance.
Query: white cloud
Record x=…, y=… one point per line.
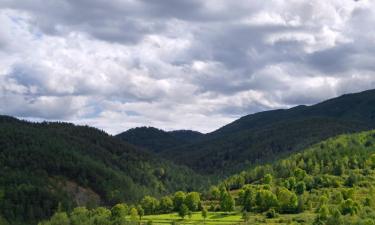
x=179, y=64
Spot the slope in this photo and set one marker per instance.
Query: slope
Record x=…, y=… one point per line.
x=46, y=164
x=157, y=140
x=266, y=135
x=330, y=183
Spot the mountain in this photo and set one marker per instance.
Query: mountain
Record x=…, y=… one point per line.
x=268, y=135
x=157, y=140
x=43, y=165
x=329, y=183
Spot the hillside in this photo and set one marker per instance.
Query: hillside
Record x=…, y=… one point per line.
x=267, y=135
x=46, y=164
x=157, y=140
x=329, y=183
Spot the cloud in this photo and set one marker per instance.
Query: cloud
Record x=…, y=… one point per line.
x=184, y=64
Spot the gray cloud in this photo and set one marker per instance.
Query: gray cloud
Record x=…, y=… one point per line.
x=179, y=64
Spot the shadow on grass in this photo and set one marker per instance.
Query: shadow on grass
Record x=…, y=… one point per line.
x=221, y=215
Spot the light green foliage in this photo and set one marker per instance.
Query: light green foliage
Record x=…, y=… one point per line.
x=192, y=201
x=300, y=187
x=299, y=174
x=265, y=200
x=246, y=198
x=226, y=202
x=215, y=193
x=141, y=211
x=166, y=204
x=101, y=216
x=287, y=200
x=204, y=213
x=80, y=216
x=134, y=214
x=268, y=179
x=349, y=207
x=119, y=213
x=149, y=205
x=183, y=211
x=178, y=200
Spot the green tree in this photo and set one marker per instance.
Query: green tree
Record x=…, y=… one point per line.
x=134, y=214
x=349, y=207
x=100, y=216
x=215, y=193
x=227, y=202
x=80, y=216
x=204, y=213
x=300, y=174
x=178, y=200
x=60, y=218
x=265, y=200
x=119, y=213
x=183, y=211
x=300, y=187
x=246, y=217
x=149, y=205
x=268, y=179
x=288, y=201
x=166, y=204
x=192, y=201
x=246, y=198
x=335, y=218
x=141, y=211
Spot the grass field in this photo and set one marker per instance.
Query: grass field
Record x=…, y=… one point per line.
x=222, y=218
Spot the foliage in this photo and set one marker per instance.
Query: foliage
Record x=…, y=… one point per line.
x=44, y=164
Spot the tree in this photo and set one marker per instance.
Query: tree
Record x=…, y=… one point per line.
x=247, y=198
x=204, y=213
x=245, y=216
x=166, y=204
x=119, y=213
x=226, y=202
x=141, y=211
x=300, y=174
x=300, y=187
x=268, y=179
x=351, y=180
x=134, y=214
x=323, y=214
x=149, y=205
x=59, y=218
x=192, y=201
x=183, y=211
x=349, y=207
x=215, y=193
x=265, y=200
x=335, y=218
x=101, y=216
x=178, y=200
x=288, y=200
x=80, y=216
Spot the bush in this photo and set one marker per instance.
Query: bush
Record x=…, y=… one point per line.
x=271, y=213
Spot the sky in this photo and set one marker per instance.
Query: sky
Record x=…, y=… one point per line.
x=179, y=64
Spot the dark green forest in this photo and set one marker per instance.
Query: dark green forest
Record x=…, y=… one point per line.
x=43, y=165
x=264, y=136
x=60, y=170
x=157, y=140
x=330, y=183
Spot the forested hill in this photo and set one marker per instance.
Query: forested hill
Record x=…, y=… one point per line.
x=329, y=183
x=266, y=135
x=157, y=140
x=44, y=164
